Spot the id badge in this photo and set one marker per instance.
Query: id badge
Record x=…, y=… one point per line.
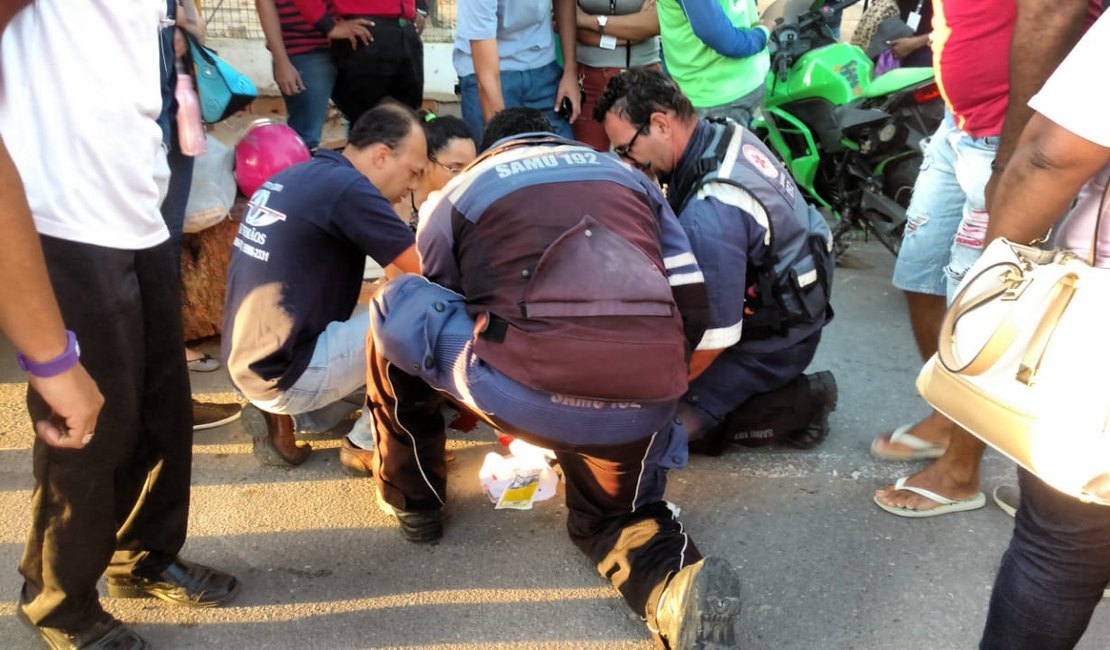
x=913, y=20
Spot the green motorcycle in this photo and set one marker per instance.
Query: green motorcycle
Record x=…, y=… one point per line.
x=852, y=143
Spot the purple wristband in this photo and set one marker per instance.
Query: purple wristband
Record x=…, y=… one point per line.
x=58, y=364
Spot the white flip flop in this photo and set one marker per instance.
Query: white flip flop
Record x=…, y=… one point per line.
x=919, y=449
x=945, y=505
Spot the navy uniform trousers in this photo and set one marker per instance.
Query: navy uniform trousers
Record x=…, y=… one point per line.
x=614, y=457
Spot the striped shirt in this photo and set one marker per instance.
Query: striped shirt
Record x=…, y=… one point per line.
x=296, y=32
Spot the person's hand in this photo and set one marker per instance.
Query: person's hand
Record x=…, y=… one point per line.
x=354, y=30
x=772, y=13
x=649, y=5
x=419, y=22
x=903, y=47
x=568, y=87
x=75, y=400
x=287, y=78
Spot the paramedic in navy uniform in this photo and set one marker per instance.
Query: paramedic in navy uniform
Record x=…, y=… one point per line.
x=556, y=283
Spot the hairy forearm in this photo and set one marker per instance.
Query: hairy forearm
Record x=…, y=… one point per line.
x=1044, y=33
x=1048, y=167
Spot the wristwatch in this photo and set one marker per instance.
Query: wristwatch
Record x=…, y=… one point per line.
x=58, y=364
x=602, y=21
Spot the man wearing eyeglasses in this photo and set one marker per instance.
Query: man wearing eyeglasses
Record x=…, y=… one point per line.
x=290, y=342
x=767, y=259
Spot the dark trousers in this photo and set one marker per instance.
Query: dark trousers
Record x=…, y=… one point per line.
x=614, y=494
x=392, y=65
x=121, y=504
x=741, y=379
x=1052, y=575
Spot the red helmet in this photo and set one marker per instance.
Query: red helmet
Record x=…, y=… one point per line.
x=264, y=150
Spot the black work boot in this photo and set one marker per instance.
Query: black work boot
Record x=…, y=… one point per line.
x=700, y=607
x=418, y=526
x=824, y=393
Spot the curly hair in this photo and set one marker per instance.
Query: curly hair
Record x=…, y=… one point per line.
x=637, y=93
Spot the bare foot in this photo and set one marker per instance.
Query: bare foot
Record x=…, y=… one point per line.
x=935, y=478
x=935, y=429
x=192, y=354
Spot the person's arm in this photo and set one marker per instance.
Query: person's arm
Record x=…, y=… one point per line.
x=407, y=262
x=903, y=47
x=487, y=71
x=317, y=14
x=30, y=318
x=711, y=25
x=1046, y=170
x=285, y=75
x=1044, y=33
x=628, y=28
x=718, y=234
x=565, y=11
x=189, y=19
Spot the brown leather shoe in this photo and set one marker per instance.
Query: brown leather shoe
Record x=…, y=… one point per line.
x=274, y=438
x=355, y=461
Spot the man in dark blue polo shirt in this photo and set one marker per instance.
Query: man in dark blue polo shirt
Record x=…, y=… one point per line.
x=290, y=341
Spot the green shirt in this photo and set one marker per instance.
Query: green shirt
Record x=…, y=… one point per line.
x=708, y=77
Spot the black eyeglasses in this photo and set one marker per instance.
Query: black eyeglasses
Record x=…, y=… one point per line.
x=624, y=150
x=454, y=170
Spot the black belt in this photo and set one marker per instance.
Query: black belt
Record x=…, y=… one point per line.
x=384, y=21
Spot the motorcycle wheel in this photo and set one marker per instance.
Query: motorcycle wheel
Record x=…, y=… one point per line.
x=899, y=180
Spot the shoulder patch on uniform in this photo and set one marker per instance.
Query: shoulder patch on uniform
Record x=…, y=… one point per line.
x=760, y=161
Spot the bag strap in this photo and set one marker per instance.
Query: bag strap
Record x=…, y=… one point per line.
x=1092, y=255
x=197, y=49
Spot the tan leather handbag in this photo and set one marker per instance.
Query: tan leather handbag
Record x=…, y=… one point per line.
x=1023, y=363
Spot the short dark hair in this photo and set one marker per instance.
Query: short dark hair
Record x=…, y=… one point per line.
x=440, y=130
x=637, y=93
x=514, y=121
x=387, y=123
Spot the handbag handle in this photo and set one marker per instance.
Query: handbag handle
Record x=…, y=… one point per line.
x=1010, y=278
x=1003, y=337
x=196, y=47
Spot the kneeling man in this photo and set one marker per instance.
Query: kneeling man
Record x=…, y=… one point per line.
x=290, y=341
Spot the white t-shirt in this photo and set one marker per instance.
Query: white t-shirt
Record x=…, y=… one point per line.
x=79, y=100
x=1076, y=97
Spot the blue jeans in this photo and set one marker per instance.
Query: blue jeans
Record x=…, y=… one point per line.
x=535, y=88
x=1052, y=575
x=333, y=385
x=308, y=109
x=949, y=189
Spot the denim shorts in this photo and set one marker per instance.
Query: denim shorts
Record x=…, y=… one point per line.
x=949, y=189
